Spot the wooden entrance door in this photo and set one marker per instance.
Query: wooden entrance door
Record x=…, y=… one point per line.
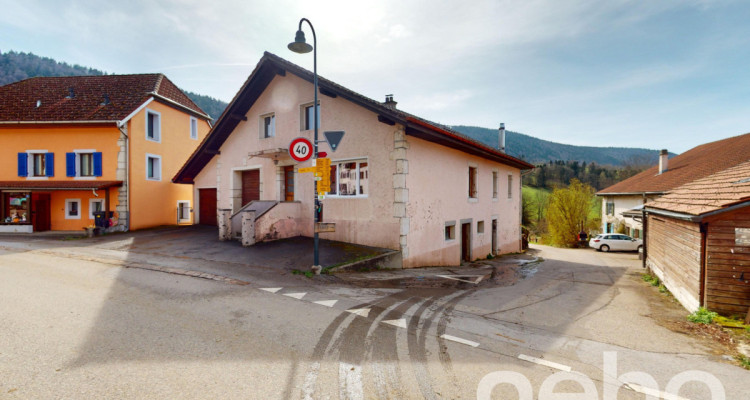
x=289, y=183
x=207, y=206
x=40, y=213
x=466, y=242
x=250, y=186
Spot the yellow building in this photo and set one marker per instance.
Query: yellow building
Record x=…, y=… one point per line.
x=71, y=147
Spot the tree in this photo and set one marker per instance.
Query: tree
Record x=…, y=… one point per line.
x=568, y=212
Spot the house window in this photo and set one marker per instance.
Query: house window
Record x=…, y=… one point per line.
x=480, y=226
x=610, y=208
x=494, y=184
x=450, y=230
x=308, y=117
x=72, y=208
x=36, y=164
x=183, y=211
x=16, y=207
x=510, y=186
x=95, y=205
x=153, y=126
x=153, y=167
x=83, y=163
x=473, y=182
x=268, y=126
x=193, y=128
x=350, y=178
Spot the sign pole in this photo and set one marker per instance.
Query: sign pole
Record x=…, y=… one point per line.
x=316, y=249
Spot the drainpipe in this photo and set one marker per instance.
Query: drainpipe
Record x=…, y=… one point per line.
x=645, y=232
x=704, y=262
x=127, y=171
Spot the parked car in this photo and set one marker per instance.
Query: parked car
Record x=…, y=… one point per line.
x=615, y=242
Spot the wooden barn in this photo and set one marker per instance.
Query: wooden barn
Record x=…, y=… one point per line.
x=698, y=241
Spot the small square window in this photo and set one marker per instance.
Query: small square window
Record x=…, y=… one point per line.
x=480, y=226
x=183, y=211
x=153, y=167
x=95, y=205
x=268, y=126
x=72, y=208
x=450, y=230
x=193, y=128
x=153, y=126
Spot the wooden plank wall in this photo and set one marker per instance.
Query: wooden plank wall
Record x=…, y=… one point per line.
x=674, y=255
x=726, y=262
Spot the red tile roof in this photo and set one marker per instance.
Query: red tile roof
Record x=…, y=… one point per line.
x=693, y=164
x=48, y=99
x=59, y=185
x=714, y=192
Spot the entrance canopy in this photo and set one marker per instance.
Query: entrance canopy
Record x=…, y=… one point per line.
x=46, y=185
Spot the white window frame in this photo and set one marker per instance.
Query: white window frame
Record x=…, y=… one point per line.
x=91, y=206
x=30, y=165
x=67, y=208
x=263, y=126
x=193, y=128
x=303, y=117
x=359, y=160
x=495, y=184
x=451, y=225
x=510, y=186
x=78, y=164
x=148, y=155
x=157, y=126
x=181, y=220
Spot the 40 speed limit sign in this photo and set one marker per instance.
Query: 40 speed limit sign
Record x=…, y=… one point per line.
x=300, y=149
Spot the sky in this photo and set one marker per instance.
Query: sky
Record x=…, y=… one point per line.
x=668, y=74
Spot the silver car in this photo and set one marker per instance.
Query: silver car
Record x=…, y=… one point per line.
x=615, y=242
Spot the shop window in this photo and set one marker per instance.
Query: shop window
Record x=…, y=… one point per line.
x=72, y=208
x=16, y=207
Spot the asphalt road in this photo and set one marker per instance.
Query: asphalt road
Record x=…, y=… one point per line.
x=93, y=319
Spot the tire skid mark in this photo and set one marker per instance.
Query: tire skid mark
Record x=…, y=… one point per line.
x=446, y=313
x=417, y=350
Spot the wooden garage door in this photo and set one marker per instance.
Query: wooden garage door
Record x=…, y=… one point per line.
x=250, y=186
x=207, y=198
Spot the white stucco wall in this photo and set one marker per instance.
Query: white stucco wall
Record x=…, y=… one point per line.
x=622, y=204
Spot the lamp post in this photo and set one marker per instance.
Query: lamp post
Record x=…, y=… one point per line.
x=301, y=46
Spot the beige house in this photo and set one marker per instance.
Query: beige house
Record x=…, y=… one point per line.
x=397, y=181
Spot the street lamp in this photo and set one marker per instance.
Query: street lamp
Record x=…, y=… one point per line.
x=301, y=46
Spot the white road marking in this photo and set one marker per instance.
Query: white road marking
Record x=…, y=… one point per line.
x=271, y=289
x=295, y=295
x=546, y=363
x=362, y=312
x=459, y=340
x=350, y=381
x=401, y=323
x=477, y=278
x=327, y=303
x=653, y=392
x=308, y=388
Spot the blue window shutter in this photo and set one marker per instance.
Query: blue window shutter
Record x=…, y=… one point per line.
x=98, y=164
x=70, y=164
x=49, y=164
x=23, y=164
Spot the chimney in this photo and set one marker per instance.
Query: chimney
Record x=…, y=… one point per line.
x=389, y=102
x=663, y=161
x=501, y=138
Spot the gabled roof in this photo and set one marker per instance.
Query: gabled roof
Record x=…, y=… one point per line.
x=87, y=99
x=693, y=164
x=712, y=193
x=271, y=65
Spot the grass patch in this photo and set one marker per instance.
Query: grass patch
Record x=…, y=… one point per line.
x=744, y=361
x=308, y=274
x=702, y=316
x=652, y=280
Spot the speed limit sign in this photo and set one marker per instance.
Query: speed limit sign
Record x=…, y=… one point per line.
x=300, y=149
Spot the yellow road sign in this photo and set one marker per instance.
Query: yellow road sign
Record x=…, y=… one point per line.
x=309, y=169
